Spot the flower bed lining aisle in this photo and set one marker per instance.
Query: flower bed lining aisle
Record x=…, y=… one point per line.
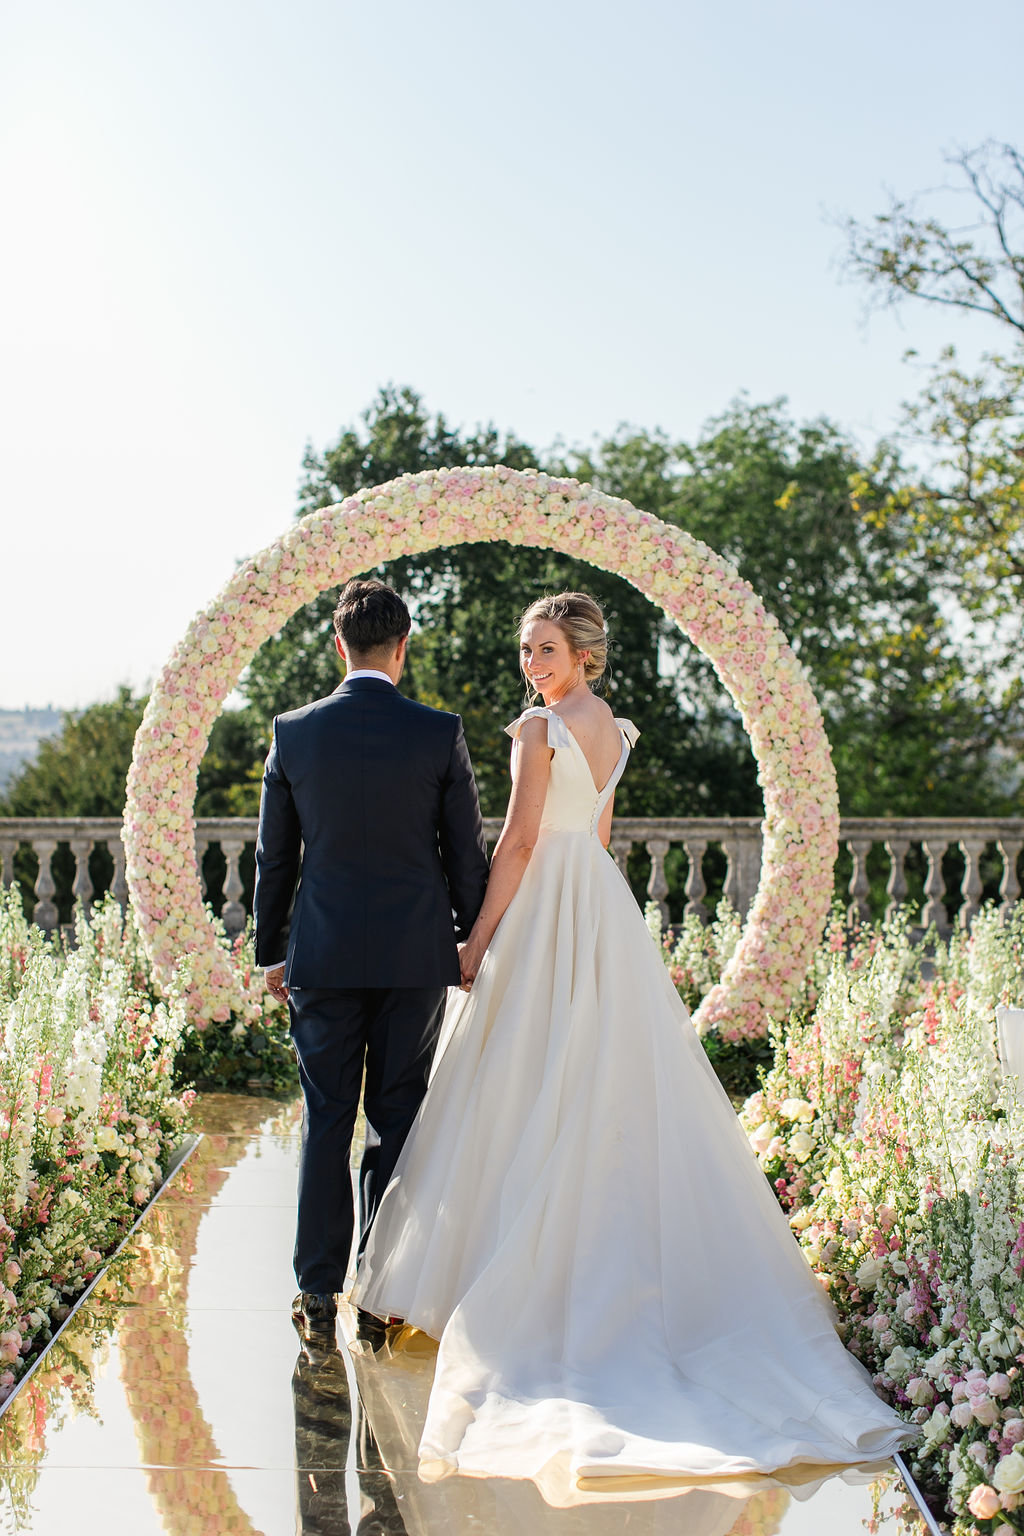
x=897, y=1149
x=89, y=1117
x=177, y=1163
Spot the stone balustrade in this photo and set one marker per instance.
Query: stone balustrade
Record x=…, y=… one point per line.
x=923, y=841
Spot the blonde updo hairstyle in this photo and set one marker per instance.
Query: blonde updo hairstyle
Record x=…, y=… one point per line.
x=582, y=623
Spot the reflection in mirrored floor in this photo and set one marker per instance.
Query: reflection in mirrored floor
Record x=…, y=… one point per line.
x=180, y=1400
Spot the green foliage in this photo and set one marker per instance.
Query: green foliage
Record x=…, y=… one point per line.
x=466, y=602
x=231, y=772
x=958, y=515
x=910, y=728
x=971, y=266
x=82, y=770
x=248, y=1054
x=739, y=1065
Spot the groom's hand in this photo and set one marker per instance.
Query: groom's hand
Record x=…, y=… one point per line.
x=275, y=983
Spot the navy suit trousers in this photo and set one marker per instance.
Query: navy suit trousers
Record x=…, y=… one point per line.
x=392, y=1033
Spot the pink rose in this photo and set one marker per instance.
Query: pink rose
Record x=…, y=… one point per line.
x=983, y=1502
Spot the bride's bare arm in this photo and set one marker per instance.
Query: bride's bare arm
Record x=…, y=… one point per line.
x=516, y=843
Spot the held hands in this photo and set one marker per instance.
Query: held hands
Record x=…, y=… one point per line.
x=469, y=963
x=275, y=983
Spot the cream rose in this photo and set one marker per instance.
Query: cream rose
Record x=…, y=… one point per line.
x=1009, y=1474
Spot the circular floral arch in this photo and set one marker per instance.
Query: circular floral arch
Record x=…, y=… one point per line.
x=702, y=592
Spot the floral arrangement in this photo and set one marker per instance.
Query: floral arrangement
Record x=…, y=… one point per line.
x=251, y=1051
x=897, y=1150
x=696, y=953
x=699, y=589
x=88, y=1117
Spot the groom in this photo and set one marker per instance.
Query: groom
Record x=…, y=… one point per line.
x=375, y=794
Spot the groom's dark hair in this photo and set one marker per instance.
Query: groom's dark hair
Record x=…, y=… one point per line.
x=370, y=616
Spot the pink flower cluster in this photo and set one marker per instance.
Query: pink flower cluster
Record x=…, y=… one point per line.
x=699, y=589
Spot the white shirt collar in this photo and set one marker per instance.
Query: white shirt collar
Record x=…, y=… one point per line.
x=381, y=677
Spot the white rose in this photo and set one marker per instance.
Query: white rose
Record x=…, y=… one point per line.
x=797, y=1109
x=869, y=1273
x=762, y=1137
x=801, y=1145
x=936, y=1364
x=899, y=1364
x=993, y=1343
x=1009, y=1474
x=936, y=1430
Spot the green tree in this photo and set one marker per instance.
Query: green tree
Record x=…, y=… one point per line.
x=777, y=498
x=959, y=512
x=83, y=769
x=466, y=601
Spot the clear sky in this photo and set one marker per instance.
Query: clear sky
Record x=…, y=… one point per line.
x=227, y=222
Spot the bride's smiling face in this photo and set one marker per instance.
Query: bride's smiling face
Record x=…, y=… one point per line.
x=547, y=658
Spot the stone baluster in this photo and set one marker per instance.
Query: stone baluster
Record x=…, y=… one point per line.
x=620, y=848
x=971, y=885
x=8, y=848
x=202, y=843
x=1009, y=885
x=896, y=885
x=657, y=885
x=82, y=890
x=44, y=913
x=695, y=888
x=119, y=883
x=743, y=867
x=934, y=887
x=232, y=913
x=730, y=889
x=859, y=908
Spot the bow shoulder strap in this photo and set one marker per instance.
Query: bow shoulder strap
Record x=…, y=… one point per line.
x=558, y=731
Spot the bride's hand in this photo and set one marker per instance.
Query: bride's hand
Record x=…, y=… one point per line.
x=469, y=964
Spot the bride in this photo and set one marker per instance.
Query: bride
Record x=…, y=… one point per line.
x=576, y=1217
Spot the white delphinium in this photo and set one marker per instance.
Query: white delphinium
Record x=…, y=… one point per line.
x=699, y=952
x=26, y=1021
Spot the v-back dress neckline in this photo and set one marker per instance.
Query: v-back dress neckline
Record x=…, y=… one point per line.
x=616, y=772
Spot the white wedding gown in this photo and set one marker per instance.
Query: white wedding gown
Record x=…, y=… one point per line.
x=579, y=1221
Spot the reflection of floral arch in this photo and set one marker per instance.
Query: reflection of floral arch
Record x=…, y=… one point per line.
x=700, y=590
x=178, y=1449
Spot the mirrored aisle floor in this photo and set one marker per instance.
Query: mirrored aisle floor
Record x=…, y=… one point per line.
x=179, y=1401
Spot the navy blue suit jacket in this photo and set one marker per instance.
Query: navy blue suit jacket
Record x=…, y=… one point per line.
x=377, y=794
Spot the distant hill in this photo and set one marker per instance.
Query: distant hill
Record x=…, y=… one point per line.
x=21, y=731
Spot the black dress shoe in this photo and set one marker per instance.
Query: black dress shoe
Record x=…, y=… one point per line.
x=371, y=1330
x=316, y=1311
